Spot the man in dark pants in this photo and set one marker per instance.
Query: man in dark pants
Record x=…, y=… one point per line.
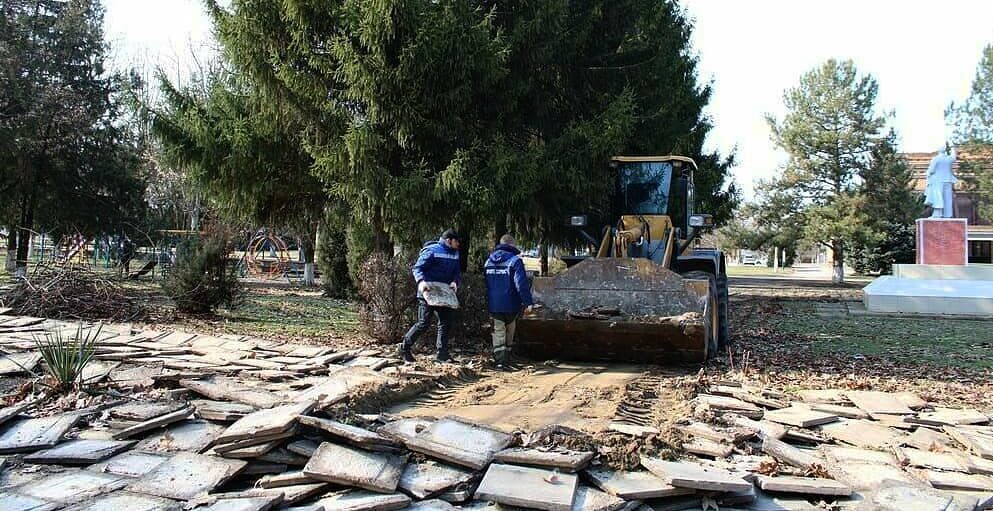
x=438, y=262
x=508, y=292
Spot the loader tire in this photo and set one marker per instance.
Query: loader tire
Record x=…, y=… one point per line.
x=711, y=316
x=723, y=304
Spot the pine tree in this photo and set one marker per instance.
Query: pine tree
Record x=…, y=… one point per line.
x=830, y=131
x=67, y=161
x=973, y=122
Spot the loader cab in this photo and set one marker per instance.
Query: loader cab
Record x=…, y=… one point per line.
x=655, y=186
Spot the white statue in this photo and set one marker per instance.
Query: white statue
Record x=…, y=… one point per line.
x=940, y=181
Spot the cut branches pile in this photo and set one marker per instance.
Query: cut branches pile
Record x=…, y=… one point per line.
x=71, y=292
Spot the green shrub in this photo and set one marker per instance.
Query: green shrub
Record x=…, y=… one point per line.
x=332, y=250
x=202, y=278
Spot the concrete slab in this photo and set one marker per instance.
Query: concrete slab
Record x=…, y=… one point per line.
x=79, y=452
x=10, y=412
x=842, y=455
x=265, y=422
x=912, y=498
x=191, y=436
x=459, y=442
x=956, y=481
x=942, y=272
x=245, y=504
x=428, y=479
x=569, y=461
x=865, y=434
x=533, y=488
x=125, y=501
x=221, y=411
x=140, y=412
x=339, y=383
x=230, y=389
x=589, y=499
x=17, y=363
x=17, y=502
x=155, y=423
x=634, y=485
x=352, y=434
x=800, y=417
x=870, y=476
x=129, y=464
x=949, y=417
x=432, y=505
x=187, y=475
x=684, y=474
x=805, y=485
x=345, y=465
x=72, y=486
x=27, y=435
x=927, y=459
x=891, y=295
x=363, y=501
x=875, y=402
x=285, y=479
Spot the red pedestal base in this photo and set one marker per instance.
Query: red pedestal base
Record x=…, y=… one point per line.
x=942, y=241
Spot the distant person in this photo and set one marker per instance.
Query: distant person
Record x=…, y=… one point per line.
x=438, y=262
x=125, y=253
x=508, y=293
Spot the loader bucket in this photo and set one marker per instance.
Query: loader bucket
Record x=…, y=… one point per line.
x=626, y=310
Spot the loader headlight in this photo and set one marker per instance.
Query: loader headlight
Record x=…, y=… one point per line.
x=701, y=221
x=576, y=221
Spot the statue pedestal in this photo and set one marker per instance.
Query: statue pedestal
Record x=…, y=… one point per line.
x=942, y=241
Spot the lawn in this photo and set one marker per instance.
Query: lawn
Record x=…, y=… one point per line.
x=740, y=270
x=955, y=343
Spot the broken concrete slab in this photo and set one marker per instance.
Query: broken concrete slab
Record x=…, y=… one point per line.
x=927, y=459
x=949, y=417
x=379, y=472
x=912, y=400
x=32, y=434
x=805, y=485
x=685, y=474
x=862, y=433
x=290, y=494
x=459, y=442
x=429, y=479
x=352, y=434
x=834, y=396
x=875, y=402
x=126, y=501
x=770, y=429
x=140, y=412
x=229, y=389
x=285, y=479
x=157, y=422
x=896, y=497
x=869, y=476
x=637, y=430
x=186, y=475
x=927, y=439
x=704, y=430
x=633, y=485
x=842, y=455
x=285, y=457
x=339, y=383
x=10, y=412
x=254, y=450
x=192, y=436
x=786, y=453
x=956, y=481
x=303, y=447
x=72, y=486
x=848, y=412
x=569, y=461
x=266, y=422
x=15, y=502
x=704, y=447
x=273, y=439
x=533, y=488
x=129, y=464
x=589, y=499
x=79, y=452
x=262, y=503
x=221, y=411
x=800, y=417
x=729, y=404
x=357, y=500
x=981, y=445
x=17, y=363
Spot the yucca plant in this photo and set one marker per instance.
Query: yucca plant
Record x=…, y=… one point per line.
x=67, y=355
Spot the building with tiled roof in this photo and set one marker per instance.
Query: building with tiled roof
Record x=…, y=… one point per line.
x=980, y=234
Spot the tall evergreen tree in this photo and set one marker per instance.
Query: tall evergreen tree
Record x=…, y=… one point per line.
x=66, y=163
x=830, y=131
x=973, y=122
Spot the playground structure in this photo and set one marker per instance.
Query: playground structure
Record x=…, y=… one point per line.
x=266, y=257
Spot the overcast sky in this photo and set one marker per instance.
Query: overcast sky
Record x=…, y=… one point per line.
x=923, y=53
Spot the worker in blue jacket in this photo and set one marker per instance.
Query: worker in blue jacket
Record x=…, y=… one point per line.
x=508, y=293
x=438, y=262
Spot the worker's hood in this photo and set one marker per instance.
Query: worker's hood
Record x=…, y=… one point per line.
x=503, y=253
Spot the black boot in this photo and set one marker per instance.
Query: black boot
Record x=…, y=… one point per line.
x=405, y=354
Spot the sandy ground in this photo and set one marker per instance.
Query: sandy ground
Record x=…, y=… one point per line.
x=580, y=396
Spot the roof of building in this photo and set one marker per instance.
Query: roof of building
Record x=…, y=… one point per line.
x=918, y=163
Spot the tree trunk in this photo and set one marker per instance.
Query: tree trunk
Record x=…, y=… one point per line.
x=775, y=259
x=838, y=260
x=381, y=239
x=24, y=236
x=465, y=231
x=11, y=259
x=499, y=229
x=543, y=255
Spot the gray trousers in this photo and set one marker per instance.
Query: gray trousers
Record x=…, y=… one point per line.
x=503, y=335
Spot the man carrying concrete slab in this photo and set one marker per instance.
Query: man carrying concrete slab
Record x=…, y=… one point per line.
x=508, y=292
x=438, y=264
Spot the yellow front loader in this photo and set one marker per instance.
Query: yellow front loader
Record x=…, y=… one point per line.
x=644, y=295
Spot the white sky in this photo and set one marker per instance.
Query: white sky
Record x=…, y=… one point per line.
x=923, y=53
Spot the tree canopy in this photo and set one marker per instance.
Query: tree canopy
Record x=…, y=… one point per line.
x=973, y=123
